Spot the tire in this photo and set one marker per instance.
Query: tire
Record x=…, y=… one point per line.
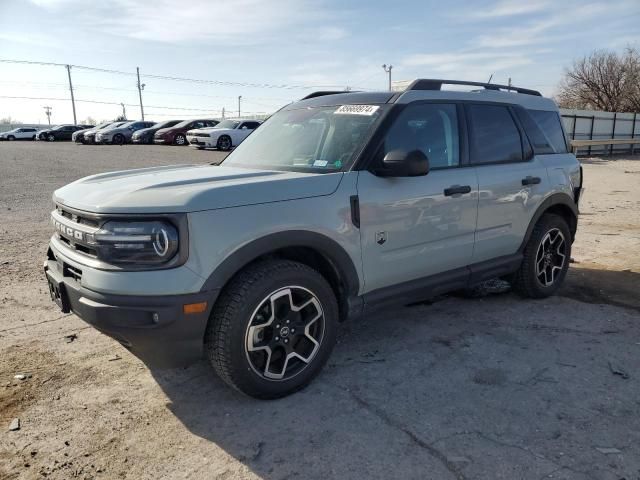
x=224, y=143
x=241, y=352
x=33, y=137
x=51, y=138
x=180, y=139
x=118, y=139
x=546, y=258
x=11, y=138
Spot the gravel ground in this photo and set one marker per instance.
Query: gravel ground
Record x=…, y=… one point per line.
x=492, y=387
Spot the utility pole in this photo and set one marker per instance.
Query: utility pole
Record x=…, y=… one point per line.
x=73, y=100
x=124, y=112
x=388, y=70
x=222, y=113
x=47, y=111
x=239, y=98
x=140, y=88
x=509, y=81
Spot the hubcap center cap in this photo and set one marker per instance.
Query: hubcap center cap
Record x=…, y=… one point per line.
x=284, y=332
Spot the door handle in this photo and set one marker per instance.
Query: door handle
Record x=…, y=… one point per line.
x=456, y=189
x=528, y=180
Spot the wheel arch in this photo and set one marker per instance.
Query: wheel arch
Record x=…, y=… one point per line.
x=559, y=204
x=310, y=248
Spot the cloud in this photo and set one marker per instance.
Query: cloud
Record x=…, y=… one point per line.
x=507, y=8
x=466, y=61
x=241, y=22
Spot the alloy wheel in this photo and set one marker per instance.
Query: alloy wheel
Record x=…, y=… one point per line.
x=284, y=333
x=550, y=257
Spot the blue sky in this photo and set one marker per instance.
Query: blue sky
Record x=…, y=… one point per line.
x=293, y=43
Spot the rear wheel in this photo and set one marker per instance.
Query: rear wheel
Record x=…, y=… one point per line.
x=11, y=138
x=224, y=143
x=546, y=258
x=180, y=139
x=272, y=329
x=51, y=138
x=118, y=139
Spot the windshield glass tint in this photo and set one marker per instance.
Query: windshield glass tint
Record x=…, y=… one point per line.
x=318, y=139
x=227, y=124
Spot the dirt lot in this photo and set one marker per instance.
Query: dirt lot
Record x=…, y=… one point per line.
x=494, y=387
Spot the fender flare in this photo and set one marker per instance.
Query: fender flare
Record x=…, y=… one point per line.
x=327, y=247
x=551, y=201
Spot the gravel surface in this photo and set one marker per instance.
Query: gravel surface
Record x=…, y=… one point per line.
x=490, y=387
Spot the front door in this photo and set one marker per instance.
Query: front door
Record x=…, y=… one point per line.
x=415, y=227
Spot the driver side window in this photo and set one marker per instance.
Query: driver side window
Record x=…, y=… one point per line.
x=431, y=128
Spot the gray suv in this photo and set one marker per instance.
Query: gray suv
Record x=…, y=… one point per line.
x=339, y=204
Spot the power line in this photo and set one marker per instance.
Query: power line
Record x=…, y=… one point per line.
x=172, y=78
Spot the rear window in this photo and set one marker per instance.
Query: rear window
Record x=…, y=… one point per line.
x=494, y=135
x=549, y=123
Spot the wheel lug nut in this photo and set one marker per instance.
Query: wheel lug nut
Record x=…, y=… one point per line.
x=287, y=321
x=277, y=339
x=278, y=326
x=293, y=330
x=286, y=341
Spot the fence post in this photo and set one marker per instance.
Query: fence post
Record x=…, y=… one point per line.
x=593, y=120
x=633, y=131
x=613, y=133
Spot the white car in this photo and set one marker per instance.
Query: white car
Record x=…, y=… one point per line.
x=24, y=133
x=224, y=136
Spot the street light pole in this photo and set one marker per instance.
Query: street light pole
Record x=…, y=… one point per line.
x=239, y=98
x=73, y=101
x=124, y=112
x=140, y=88
x=388, y=70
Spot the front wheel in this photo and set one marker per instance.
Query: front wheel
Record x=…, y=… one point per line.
x=224, y=143
x=51, y=138
x=272, y=329
x=11, y=138
x=546, y=258
x=180, y=139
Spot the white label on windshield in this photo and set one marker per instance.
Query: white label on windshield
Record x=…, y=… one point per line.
x=320, y=163
x=367, y=110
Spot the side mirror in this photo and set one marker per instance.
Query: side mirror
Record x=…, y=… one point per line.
x=398, y=163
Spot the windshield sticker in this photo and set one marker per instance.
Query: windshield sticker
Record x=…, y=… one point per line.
x=367, y=110
x=320, y=163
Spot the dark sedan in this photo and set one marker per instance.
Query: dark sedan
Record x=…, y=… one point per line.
x=146, y=134
x=61, y=132
x=177, y=135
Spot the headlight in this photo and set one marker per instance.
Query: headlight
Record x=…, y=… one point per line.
x=143, y=242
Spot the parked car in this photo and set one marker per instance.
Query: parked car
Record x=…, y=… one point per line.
x=177, y=135
x=22, y=133
x=78, y=136
x=121, y=134
x=224, y=136
x=338, y=205
x=146, y=134
x=90, y=136
x=61, y=132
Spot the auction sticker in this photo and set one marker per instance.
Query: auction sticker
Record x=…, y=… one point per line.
x=367, y=110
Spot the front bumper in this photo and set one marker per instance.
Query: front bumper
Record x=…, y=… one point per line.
x=154, y=328
x=162, y=141
x=200, y=142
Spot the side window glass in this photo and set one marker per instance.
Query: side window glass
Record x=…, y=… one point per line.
x=431, y=128
x=539, y=141
x=494, y=135
x=549, y=123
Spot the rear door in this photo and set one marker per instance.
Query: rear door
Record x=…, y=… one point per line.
x=415, y=227
x=512, y=181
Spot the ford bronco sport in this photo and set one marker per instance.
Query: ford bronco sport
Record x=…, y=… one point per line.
x=340, y=203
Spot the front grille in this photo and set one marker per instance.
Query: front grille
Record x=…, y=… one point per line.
x=73, y=272
x=205, y=135
x=75, y=231
x=83, y=220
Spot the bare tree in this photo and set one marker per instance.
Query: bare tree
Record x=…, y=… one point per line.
x=603, y=80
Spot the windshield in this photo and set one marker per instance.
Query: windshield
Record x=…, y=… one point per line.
x=228, y=124
x=322, y=139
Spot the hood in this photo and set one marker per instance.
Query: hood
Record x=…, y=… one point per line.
x=144, y=131
x=190, y=188
x=162, y=131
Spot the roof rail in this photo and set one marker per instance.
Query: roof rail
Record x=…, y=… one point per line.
x=436, y=84
x=325, y=92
